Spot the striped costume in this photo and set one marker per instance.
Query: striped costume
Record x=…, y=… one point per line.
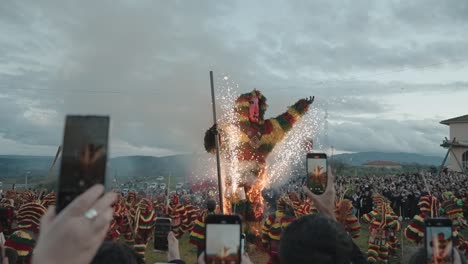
x=5, y=224
x=382, y=224
x=197, y=236
x=274, y=226
x=143, y=222
x=49, y=200
x=24, y=238
x=178, y=214
x=429, y=207
x=452, y=207
x=254, y=142
x=192, y=215
x=344, y=215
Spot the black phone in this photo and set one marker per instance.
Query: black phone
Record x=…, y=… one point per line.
x=223, y=239
x=317, y=172
x=438, y=240
x=84, y=156
x=161, y=229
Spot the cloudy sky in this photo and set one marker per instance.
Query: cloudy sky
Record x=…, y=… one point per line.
x=385, y=71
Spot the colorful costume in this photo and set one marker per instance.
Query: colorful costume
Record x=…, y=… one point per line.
x=197, y=236
x=274, y=226
x=452, y=207
x=9, y=214
x=429, y=208
x=344, y=215
x=382, y=223
x=256, y=139
x=191, y=213
x=49, y=200
x=113, y=233
x=143, y=221
x=178, y=215
x=24, y=238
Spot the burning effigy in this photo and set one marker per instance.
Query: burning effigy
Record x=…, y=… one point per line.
x=246, y=141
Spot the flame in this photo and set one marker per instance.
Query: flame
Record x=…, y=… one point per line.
x=255, y=194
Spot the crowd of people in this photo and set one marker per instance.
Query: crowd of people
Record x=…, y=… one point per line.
x=127, y=224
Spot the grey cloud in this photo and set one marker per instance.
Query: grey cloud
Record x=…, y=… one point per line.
x=153, y=59
x=374, y=134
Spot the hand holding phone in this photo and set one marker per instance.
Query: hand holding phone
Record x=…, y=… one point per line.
x=223, y=239
x=317, y=172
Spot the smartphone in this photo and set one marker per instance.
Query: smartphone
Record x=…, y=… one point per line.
x=242, y=245
x=84, y=156
x=317, y=172
x=161, y=229
x=438, y=240
x=223, y=239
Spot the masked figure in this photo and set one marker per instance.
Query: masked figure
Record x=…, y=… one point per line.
x=381, y=222
x=256, y=139
x=452, y=207
x=274, y=226
x=429, y=207
x=49, y=200
x=178, y=214
x=143, y=222
x=24, y=238
x=344, y=215
x=9, y=215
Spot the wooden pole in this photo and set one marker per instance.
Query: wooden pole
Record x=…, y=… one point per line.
x=59, y=151
x=401, y=235
x=218, y=161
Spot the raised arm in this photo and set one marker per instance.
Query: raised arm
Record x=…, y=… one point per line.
x=284, y=122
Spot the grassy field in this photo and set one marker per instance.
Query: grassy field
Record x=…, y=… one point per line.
x=189, y=252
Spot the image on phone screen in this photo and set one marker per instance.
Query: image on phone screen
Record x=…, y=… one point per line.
x=439, y=244
x=223, y=243
x=162, y=228
x=317, y=172
x=84, y=156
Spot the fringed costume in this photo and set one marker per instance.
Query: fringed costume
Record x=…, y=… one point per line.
x=274, y=226
x=191, y=215
x=452, y=207
x=178, y=215
x=344, y=215
x=144, y=221
x=256, y=139
x=429, y=207
x=9, y=215
x=382, y=222
x=24, y=238
x=49, y=200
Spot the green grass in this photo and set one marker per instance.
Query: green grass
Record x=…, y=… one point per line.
x=189, y=252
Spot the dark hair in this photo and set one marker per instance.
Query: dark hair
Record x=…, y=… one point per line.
x=211, y=205
x=315, y=239
x=116, y=253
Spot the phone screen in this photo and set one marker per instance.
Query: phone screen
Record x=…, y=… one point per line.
x=317, y=171
x=161, y=229
x=223, y=243
x=84, y=156
x=439, y=244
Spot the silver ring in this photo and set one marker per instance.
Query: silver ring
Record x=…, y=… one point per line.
x=91, y=214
